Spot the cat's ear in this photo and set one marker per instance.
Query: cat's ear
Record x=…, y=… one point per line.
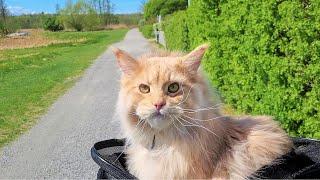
x=192, y=61
x=127, y=64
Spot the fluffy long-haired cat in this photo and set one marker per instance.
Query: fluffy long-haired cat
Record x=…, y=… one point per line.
x=174, y=129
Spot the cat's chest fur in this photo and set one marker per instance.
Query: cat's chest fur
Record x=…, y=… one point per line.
x=163, y=163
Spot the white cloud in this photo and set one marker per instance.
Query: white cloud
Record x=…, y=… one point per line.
x=17, y=10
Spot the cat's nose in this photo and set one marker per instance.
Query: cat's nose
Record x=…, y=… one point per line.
x=159, y=105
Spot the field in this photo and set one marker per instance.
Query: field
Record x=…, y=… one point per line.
x=34, y=75
x=36, y=38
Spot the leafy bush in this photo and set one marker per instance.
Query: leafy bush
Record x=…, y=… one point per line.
x=147, y=30
x=176, y=31
x=264, y=56
x=8, y=27
x=2, y=29
x=52, y=24
x=80, y=16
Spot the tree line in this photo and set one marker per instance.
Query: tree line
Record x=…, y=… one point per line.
x=77, y=15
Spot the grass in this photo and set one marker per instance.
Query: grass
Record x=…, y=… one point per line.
x=32, y=79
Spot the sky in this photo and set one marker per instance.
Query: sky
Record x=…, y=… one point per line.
x=18, y=7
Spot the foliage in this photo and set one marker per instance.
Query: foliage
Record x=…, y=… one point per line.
x=8, y=27
x=6, y=24
x=4, y=12
x=32, y=79
x=104, y=8
x=264, y=56
x=80, y=16
x=176, y=31
x=52, y=24
x=108, y=19
x=3, y=29
x=163, y=7
x=31, y=21
x=129, y=19
x=147, y=31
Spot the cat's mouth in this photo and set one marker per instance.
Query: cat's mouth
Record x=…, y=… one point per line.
x=158, y=120
x=158, y=115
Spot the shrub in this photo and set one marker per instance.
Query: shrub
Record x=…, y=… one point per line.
x=176, y=31
x=91, y=21
x=80, y=16
x=2, y=29
x=8, y=27
x=147, y=30
x=52, y=24
x=264, y=56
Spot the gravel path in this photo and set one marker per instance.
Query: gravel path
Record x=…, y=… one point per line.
x=59, y=145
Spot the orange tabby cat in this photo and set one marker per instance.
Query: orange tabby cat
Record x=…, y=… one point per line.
x=174, y=129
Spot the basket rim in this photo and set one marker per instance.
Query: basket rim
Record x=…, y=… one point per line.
x=117, y=172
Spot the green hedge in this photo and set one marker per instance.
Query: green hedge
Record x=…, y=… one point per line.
x=147, y=31
x=176, y=31
x=264, y=56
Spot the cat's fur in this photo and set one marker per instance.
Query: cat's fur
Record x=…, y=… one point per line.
x=192, y=139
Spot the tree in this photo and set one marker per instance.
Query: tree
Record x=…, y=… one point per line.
x=103, y=6
x=142, y=4
x=80, y=16
x=163, y=7
x=4, y=13
x=57, y=8
x=105, y=9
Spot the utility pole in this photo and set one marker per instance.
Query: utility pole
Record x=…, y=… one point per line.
x=57, y=8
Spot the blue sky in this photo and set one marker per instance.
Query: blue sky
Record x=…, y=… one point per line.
x=48, y=6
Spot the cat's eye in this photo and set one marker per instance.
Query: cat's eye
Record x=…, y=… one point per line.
x=144, y=88
x=173, y=88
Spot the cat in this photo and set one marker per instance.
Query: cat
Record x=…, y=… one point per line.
x=174, y=129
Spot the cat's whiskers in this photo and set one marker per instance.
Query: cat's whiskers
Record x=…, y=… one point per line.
x=124, y=148
x=196, y=110
x=186, y=110
x=176, y=125
x=199, y=141
x=214, y=107
x=203, y=120
x=133, y=113
x=184, y=100
x=137, y=131
x=183, y=126
x=196, y=125
x=139, y=122
x=203, y=148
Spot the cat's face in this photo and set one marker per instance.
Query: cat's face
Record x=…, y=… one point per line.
x=158, y=89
